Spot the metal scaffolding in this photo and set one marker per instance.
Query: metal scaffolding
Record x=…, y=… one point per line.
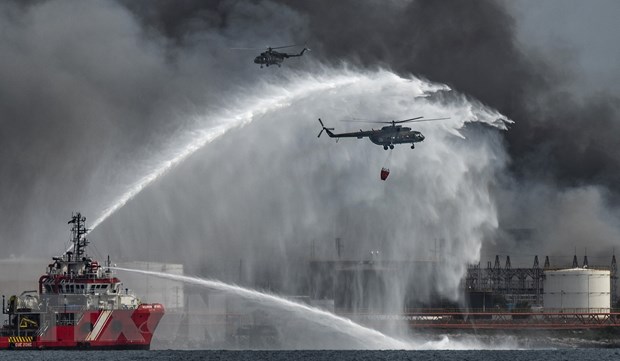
x=522, y=285
x=514, y=284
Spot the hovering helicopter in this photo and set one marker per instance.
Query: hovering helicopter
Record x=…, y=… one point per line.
x=387, y=136
x=272, y=57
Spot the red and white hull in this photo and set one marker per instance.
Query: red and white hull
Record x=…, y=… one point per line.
x=105, y=329
x=79, y=304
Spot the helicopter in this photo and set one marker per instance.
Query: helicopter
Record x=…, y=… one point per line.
x=272, y=57
x=387, y=136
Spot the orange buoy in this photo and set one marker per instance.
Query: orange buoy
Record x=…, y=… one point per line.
x=384, y=173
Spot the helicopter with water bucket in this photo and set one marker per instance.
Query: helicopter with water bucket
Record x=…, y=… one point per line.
x=387, y=136
x=273, y=57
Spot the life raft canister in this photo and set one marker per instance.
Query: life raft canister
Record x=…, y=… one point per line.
x=94, y=266
x=384, y=173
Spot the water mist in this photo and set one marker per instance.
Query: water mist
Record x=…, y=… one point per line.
x=265, y=191
x=319, y=329
x=350, y=334
x=211, y=126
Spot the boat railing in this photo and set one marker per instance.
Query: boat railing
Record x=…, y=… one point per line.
x=489, y=311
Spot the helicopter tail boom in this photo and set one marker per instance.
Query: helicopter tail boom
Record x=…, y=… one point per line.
x=296, y=55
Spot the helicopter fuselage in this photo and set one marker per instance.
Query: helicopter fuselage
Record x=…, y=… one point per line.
x=387, y=136
x=270, y=58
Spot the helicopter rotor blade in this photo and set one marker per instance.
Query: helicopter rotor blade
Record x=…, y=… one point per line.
x=246, y=48
x=422, y=120
x=282, y=47
x=321, y=132
x=264, y=47
x=410, y=120
x=323, y=128
x=406, y=120
x=361, y=121
x=356, y=120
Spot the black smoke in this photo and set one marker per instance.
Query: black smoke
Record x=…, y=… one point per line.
x=471, y=46
x=559, y=141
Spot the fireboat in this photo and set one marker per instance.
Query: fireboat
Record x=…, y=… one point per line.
x=80, y=304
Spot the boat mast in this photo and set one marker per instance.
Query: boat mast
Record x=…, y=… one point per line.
x=78, y=236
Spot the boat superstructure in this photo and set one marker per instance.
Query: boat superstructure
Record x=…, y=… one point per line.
x=79, y=303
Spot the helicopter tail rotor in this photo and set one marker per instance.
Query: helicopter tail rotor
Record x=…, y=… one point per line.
x=323, y=128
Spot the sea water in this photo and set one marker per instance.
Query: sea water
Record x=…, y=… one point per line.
x=323, y=355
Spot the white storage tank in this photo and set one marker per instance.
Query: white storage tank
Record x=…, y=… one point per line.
x=586, y=289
